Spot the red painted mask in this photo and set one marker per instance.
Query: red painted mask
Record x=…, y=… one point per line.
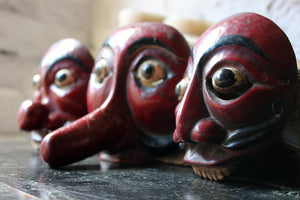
x=131, y=97
x=237, y=93
x=61, y=86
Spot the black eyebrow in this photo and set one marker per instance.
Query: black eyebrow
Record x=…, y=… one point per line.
x=142, y=41
x=238, y=40
x=73, y=58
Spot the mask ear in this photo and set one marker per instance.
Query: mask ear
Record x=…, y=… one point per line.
x=291, y=134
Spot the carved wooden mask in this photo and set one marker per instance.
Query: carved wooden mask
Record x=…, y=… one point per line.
x=236, y=95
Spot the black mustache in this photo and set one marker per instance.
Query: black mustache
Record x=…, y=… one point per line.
x=242, y=137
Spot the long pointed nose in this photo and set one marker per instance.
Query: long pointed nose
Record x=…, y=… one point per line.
x=31, y=115
x=108, y=127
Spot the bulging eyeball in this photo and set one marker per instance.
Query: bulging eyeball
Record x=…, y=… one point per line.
x=181, y=88
x=101, y=70
x=150, y=73
x=63, y=78
x=36, y=81
x=228, y=83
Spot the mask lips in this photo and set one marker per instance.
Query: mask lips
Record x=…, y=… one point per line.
x=243, y=137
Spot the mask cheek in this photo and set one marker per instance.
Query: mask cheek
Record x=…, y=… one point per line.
x=255, y=106
x=75, y=102
x=153, y=108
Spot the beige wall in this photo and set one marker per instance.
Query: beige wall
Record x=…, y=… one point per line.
x=286, y=13
x=29, y=27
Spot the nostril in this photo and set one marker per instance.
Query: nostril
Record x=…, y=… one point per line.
x=31, y=115
x=181, y=134
x=176, y=138
x=208, y=131
x=181, y=88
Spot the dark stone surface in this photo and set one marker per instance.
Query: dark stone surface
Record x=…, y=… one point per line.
x=24, y=176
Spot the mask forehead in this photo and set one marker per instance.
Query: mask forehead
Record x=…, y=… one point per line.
x=66, y=49
x=123, y=44
x=58, y=50
x=125, y=37
x=251, y=32
x=253, y=44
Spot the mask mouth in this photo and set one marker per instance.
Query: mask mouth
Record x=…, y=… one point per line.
x=155, y=144
x=37, y=135
x=246, y=136
x=209, y=154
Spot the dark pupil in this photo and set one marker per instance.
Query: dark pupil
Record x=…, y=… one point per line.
x=61, y=77
x=98, y=71
x=224, y=78
x=147, y=71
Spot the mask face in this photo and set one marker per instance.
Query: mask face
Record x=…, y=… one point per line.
x=236, y=95
x=130, y=98
x=61, y=86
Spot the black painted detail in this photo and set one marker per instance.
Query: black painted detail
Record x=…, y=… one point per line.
x=243, y=137
x=141, y=42
x=224, y=78
x=62, y=77
x=147, y=71
x=238, y=40
x=73, y=58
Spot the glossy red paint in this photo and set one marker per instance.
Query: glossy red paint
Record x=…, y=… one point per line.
x=241, y=89
x=61, y=85
x=131, y=98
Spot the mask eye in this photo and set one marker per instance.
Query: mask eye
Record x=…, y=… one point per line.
x=64, y=77
x=181, y=88
x=36, y=81
x=150, y=73
x=101, y=70
x=228, y=83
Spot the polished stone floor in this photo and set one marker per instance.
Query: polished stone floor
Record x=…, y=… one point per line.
x=24, y=176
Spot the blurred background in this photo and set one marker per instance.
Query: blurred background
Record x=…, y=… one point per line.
x=29, y=27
